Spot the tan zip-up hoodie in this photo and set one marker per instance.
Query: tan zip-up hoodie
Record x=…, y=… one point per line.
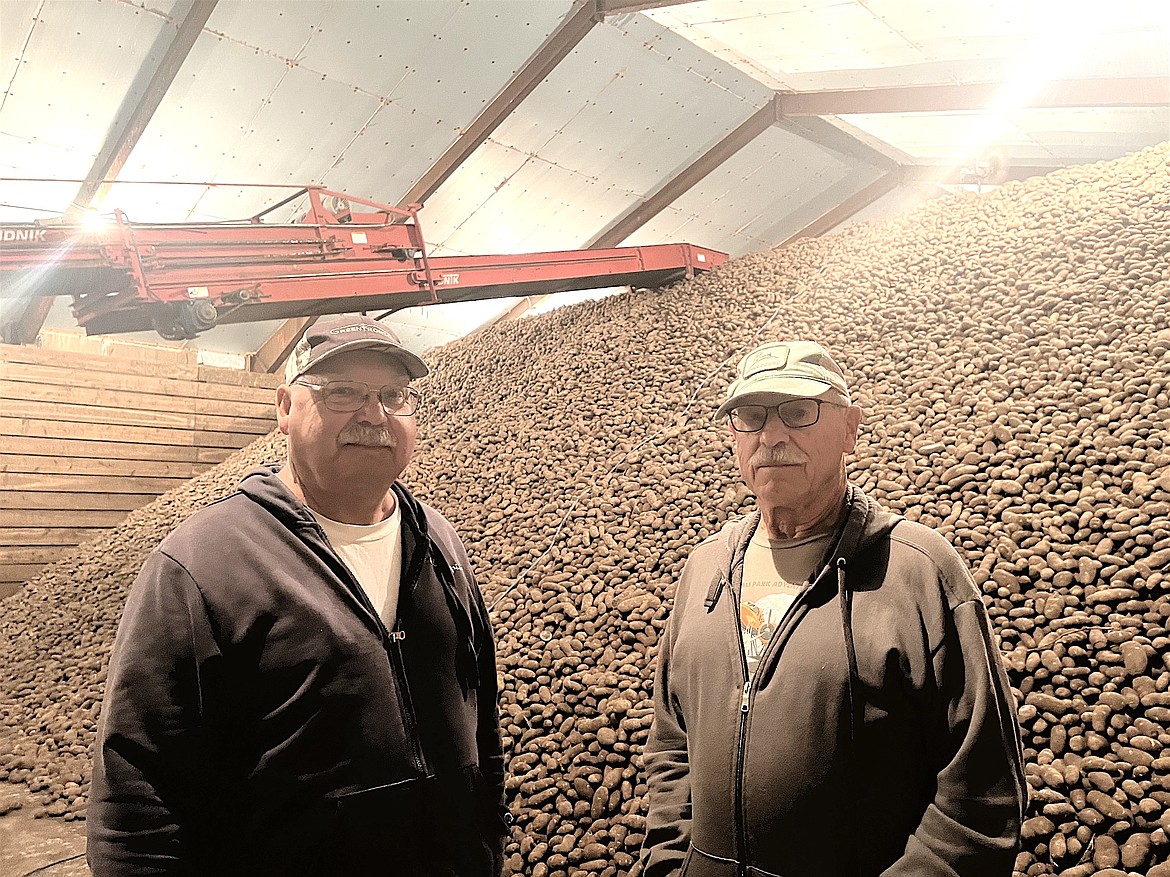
x=878, y=735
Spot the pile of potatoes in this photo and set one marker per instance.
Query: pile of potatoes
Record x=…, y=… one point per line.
x=1012, y=353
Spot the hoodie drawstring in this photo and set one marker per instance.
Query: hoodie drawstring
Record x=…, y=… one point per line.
x=846, y=601
x=845, y=598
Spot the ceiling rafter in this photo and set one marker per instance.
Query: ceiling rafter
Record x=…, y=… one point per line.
x=130, y=123
x=819, y=131
x=848, y=207
x=562, y=41
x=271, y=354
x=276, y=348
x=621, y=7
x=1142, y=91
x=642, y=212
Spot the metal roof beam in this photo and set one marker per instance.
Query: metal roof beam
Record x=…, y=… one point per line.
x=559, y=43
x=119, y=143
x=112, y=157
x=619, y=7
x=562, y=41
x=856, y=202
x=1142, y=91
x=827, y=135
x=642, y=212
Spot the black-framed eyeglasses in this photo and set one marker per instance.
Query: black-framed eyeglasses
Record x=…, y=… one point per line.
x=794, y=413
x=349, y=396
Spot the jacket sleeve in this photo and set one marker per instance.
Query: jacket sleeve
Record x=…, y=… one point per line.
x=488, y=742
x=145, y=755
x=667, y=769
x=971, y=828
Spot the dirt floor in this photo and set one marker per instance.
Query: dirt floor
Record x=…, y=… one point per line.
x=31, y=847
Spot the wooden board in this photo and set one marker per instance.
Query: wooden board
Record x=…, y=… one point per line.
x=67, y=520
x=36, y=410
x=86, y=438
x=27, y=536
x=16, y=391
x=188, y=369
x=83, y=379
x=86, y=483
x=151, y=435
x=93, y=466
x=31, y=446
x=12, y=576
x=38, y=554
x=122, y=502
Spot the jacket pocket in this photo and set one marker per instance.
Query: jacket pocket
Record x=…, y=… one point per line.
x=374, y=828
x=700, y=864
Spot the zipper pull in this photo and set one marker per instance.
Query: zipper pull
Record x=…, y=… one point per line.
x=743, y=705
x=397, y=635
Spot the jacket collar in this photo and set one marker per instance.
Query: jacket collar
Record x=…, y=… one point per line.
x=865, y=522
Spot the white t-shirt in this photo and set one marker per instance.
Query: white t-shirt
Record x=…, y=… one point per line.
x=774, y=573
x=373, y=554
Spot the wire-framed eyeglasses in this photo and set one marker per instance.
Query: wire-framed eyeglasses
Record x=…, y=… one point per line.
x=349, y=396
x=793, y=413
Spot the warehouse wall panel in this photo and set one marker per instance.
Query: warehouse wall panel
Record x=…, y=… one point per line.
x=86, y=437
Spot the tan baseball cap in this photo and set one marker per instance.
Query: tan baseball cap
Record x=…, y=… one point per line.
x=784, y=369
x=330, y=337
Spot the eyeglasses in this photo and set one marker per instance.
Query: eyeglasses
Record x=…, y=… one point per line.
x=348, y=396
x=795, y=414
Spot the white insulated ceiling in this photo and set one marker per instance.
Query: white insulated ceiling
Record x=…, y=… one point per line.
x=549, y=124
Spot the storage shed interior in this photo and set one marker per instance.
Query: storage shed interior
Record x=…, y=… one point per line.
x=968, y=203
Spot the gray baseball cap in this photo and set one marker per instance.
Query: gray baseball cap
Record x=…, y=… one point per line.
x=329, y=337
x=784, y=369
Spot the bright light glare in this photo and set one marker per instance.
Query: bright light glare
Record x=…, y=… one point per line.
x=91, y=220
x=1060, y=37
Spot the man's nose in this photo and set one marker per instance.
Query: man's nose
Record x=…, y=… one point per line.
x=774, y=431
x=372, y=409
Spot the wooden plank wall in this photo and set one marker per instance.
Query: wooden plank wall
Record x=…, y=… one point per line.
x=86, y=438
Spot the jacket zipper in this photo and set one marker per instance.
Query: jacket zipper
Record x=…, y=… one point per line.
x=392, y=643
x=744, y=710
x=406, y=705
x=741, y=749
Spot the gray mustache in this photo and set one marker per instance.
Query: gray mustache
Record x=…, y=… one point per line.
x=365, y=434
x=778, y=455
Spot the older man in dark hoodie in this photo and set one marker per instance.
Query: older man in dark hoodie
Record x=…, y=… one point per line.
x=829, y=700
x=303, y=682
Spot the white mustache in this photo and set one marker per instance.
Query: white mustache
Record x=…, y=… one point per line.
x=365, y=434
x=778, y=455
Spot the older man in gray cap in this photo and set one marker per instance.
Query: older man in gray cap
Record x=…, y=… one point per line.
x=829, y=700
x=304, y=682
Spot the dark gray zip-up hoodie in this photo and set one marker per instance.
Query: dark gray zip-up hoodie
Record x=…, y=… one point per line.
x=260, y=719
x=878, y=735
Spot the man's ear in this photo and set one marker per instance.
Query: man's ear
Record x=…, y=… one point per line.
x=852, y=425
x=283, y=407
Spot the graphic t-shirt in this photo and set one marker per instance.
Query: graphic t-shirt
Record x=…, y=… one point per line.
x=774, y=572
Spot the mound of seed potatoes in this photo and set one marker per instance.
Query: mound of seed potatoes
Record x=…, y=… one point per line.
x=1012, y=353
